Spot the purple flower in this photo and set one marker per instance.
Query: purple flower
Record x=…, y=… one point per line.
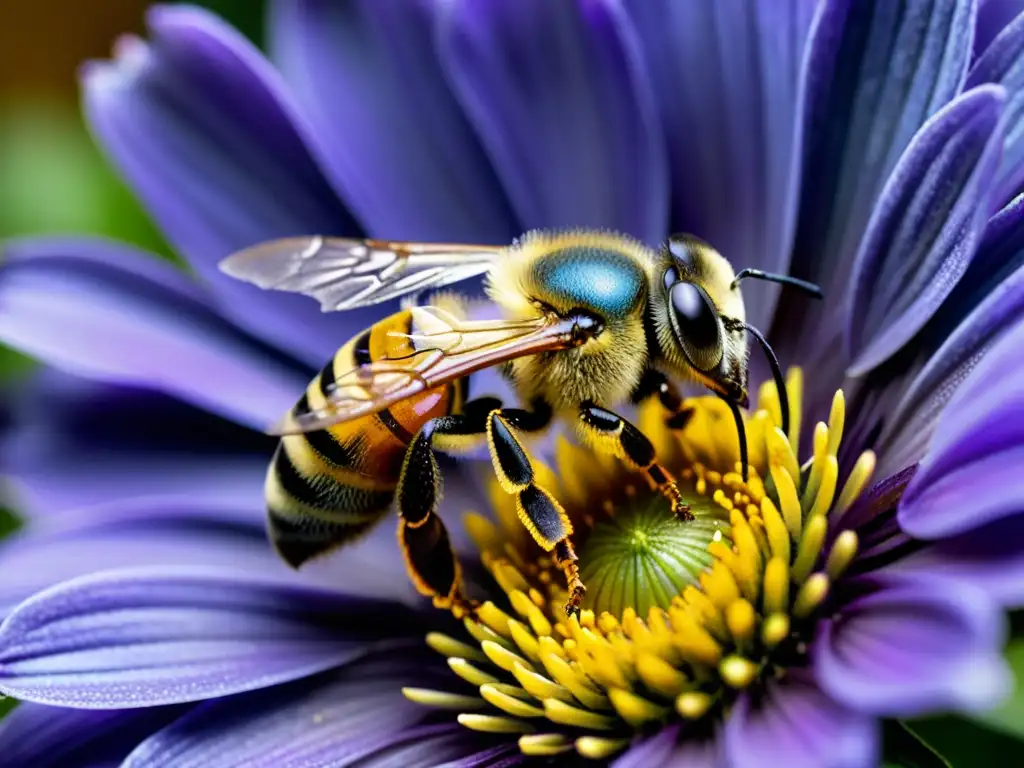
x=870, y=148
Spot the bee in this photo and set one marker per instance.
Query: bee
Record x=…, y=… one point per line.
x=590, y=320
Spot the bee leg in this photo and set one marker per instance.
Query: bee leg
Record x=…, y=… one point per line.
x=538, y=510
x=610, y=432
x=655, y=383
x=429, y=557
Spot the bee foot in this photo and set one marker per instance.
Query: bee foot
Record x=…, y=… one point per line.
x=577, y=591
x=679, y=507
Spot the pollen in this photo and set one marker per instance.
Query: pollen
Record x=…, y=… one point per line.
x=679, y=617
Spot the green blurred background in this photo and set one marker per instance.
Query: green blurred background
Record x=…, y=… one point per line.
x=54, y=180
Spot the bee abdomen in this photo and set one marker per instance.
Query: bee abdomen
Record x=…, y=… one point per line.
x=311, y=514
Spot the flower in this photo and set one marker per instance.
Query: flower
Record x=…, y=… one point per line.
x=869, y=151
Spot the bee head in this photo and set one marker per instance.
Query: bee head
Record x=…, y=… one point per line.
x=699, y=316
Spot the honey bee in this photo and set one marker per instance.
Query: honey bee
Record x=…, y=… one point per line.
x=590, y=320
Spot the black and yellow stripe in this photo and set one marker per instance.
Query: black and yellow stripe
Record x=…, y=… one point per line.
x=326, y=488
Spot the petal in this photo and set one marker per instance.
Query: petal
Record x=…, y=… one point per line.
x=913, y=645
x=37, y=736
x=987, y=301
x=967, y=478
x=339, y=718
x=873, y=75
x=1003, y=63
x=989, y=557
x=558, y=96
x=654, y=750
x=392, y=136
x=925, y=228
x=105, y=311
x=76, y=443
x=150, y=636
x=732, y=131
x=201, y=127
x=798, y=725
x=993, y=17
x=144, y=534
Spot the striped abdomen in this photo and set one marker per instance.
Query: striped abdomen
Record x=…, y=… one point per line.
x=326, y=488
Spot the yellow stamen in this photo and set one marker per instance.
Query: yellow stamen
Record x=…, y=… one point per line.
x=495, y=618
x=449, y=646
x=788, y=500
x=810, y=547
x=795, y=390
x=544, y=744
x=776, y=530
x=836, y=420
x=741, y=620
x=597, y=748
x=776, y=586
x=527, y=642
x=775, y=629
x=512, y=705
x=737, y=671
x=634, y=709
x=660, y=676
x=857, y=481
x=565, y=714
x=494, y=724
x=827, y=490
x=817, y=465
x=841, y=555
x=442, y=699
x=811, y=595
x=539, y=686
x=693, y=704
x=502, y=657
x=469, y=673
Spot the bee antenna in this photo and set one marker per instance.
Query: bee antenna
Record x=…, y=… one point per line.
x=811, y=289
x=741, y=432
x=780, y=382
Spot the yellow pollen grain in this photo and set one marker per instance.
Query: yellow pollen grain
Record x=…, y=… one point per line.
x=469, y=673
x=693, y=705
x=494, y=724
x=741, y=619
x=449, y=646
x=566, y=714
x=817, y=465
x=788, y=501
x=539, y=686
x=775, y=629
x=795, y=390
x=776, y=586
x=843, y=551
x=598, y=748
x=857, y=481
x=634, y=709
x=811, y=595
x=660, y=676
x=442, y=699
x=509, y=704
x=544, y=744
x=737, y=672
x=776, y=530
x=809, y=548
x=827, y=489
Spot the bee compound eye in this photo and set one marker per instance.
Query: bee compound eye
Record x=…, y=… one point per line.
x=696, y=324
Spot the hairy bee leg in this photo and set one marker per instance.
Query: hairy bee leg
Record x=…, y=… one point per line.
x=539, y=511
x=655, y=383
x=610, y=432
x=429, y=557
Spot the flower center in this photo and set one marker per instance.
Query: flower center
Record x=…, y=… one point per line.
x=678, y=617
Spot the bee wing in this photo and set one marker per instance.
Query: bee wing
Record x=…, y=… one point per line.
x=445, y=349
x=344, y=274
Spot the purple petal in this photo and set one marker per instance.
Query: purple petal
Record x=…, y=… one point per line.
x=987, y=301
x=107, y=312
x=201, y=127
x=967, y=478
x=140, y=534
x=909, y=646
x=77, y=443
x=559, y=98
x=340, y=718
x=798, y=725
x=873, y=75
x=37, y=736
x=993, y=17
x=989, y=557
x=654, y=750
x=726, y=75
x=392, y=136
x=150, y=636
x=925, y=229
x=1003, y=63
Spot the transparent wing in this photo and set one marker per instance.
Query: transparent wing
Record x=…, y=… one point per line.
x=445, y=349
x=345, y=274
